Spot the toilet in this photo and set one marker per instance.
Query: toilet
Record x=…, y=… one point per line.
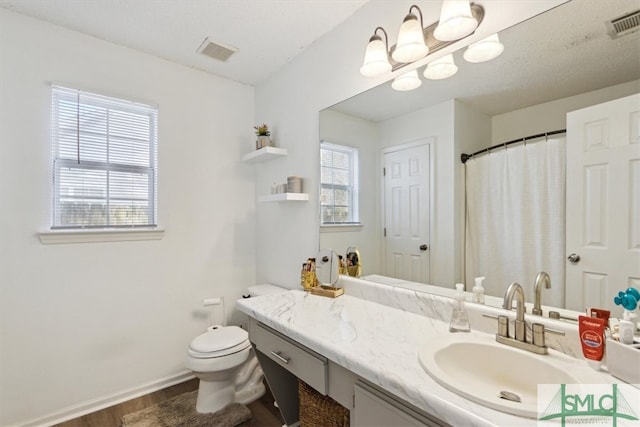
x=226, y=365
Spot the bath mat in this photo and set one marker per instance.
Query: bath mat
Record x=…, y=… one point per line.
x=180, y=411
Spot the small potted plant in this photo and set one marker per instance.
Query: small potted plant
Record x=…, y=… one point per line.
x=264, y=136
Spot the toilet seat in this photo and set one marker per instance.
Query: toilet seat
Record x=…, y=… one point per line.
x=219, y=342
x=221, y=353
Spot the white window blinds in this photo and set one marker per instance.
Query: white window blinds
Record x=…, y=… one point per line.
x=338, y=184
x=104, y=161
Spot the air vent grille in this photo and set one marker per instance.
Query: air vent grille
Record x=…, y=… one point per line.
x=624, y=25
x=216, y=50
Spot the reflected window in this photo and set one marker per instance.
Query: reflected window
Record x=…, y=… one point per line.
x=338, y=184
x=104, y=161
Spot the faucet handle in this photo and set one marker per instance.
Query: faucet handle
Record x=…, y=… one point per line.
x=537, y=330
x=503, y=326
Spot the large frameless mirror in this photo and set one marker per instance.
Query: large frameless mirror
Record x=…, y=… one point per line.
x=564, y=57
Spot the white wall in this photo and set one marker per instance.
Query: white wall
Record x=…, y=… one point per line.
x=472, y=131
x=552, y=115
x=343, y=129
x=327, y=73
x=81, y=322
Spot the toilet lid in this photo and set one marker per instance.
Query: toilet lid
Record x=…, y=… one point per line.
x=219, y=339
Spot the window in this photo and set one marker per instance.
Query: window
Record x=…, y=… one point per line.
x=104, y=161
x=338, y=184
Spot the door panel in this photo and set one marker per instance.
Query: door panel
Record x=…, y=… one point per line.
x=603, y=202
x=407, y=212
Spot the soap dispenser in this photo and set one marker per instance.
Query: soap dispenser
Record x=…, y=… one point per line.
x=478, y=291
x=459, y=317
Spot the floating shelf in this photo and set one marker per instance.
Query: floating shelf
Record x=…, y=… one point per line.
x=264, y=154
x=284, y=197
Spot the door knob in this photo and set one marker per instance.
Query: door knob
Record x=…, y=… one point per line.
x=423, y=247
x=573, y=258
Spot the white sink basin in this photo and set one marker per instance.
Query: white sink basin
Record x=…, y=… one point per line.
x=477, y=367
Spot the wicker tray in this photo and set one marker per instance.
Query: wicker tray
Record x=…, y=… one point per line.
x=327, y=291
x=317, y=410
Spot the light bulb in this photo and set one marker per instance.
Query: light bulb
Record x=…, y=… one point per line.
x=411, y=45
x=376, y=60
x=407, y=81
x=441, y=68
x=456, y=21
x=484, y=50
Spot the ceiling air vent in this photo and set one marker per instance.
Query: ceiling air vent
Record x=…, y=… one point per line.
x=624, y=25
x=216, y=50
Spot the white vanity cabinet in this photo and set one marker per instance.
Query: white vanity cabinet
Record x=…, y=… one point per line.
x=373, y=407
x=305, y=364
x=284, y=360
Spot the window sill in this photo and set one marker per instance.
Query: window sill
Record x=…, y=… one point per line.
x=334, y=228
x=93, y=236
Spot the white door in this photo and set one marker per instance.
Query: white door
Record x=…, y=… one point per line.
x=603, y=203
x=406, y=212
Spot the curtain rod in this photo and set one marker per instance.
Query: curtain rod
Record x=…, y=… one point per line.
x=464, y=157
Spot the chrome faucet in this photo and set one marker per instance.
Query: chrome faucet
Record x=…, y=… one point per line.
x=541, y=279
x=520, y=337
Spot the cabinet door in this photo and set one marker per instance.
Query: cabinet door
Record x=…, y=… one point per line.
x=304, y=363
x=374, y=408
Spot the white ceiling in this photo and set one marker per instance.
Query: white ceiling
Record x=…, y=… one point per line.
x=268, y=33
x=563, y=52
x=560, y=53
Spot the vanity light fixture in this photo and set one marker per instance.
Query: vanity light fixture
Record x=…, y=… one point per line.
x=456, y=21
x=442, y=68
x=376, y=58
x=411, y=45
x=414, y=41
x=407, y=81
x=484, y=50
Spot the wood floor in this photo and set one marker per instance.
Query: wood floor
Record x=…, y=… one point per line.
x=265, y=414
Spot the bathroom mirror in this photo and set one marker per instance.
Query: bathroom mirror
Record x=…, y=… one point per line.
x=327, y=267
x=562, y=53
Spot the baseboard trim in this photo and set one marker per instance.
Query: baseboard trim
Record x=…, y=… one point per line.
x=91, y=406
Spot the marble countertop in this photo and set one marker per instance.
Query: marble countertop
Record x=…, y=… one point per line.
x=381, y=344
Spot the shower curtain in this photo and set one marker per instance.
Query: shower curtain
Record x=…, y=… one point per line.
x=515, y=219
